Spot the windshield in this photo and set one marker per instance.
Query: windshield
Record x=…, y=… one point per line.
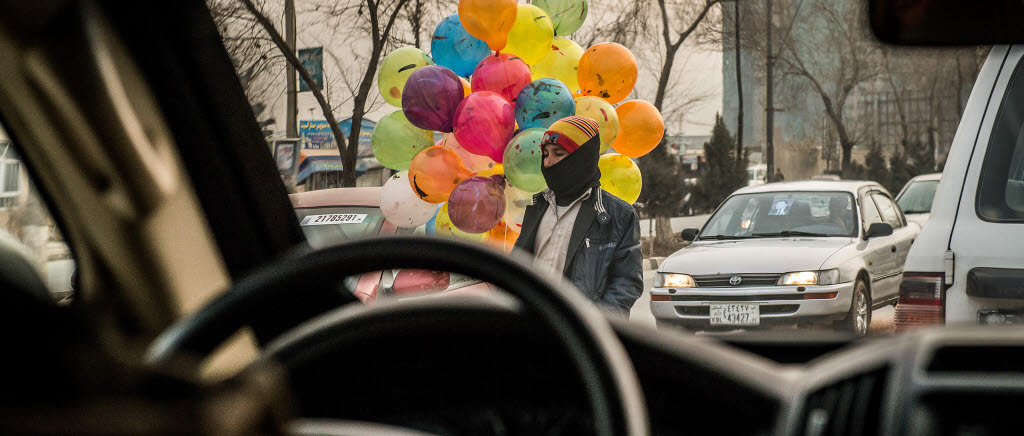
x=326, y=226
x=447, y=118
x=918, y=197
x=775, y=214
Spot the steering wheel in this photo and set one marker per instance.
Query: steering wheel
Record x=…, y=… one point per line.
x=609, y=379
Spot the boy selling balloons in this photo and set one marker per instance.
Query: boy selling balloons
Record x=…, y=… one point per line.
x=576, y=227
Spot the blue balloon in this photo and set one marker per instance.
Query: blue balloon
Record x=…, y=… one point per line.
x=429, y=226
x=453, y=47
x=543, y=102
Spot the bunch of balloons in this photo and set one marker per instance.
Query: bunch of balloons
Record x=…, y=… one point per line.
x=497, y=76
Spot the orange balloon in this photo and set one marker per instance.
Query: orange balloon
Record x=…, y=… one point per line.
x=607, y=70
x=435, y=171
x=502, y=237
x=640, y=128
x=465, y=87
x=488, y=20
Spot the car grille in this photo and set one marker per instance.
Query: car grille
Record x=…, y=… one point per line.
x=722, y=281
x=765, y=309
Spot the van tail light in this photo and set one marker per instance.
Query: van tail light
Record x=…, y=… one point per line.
x=922, y=301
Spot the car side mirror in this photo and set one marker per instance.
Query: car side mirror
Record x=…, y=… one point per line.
x=878, y=229
x=689, y=234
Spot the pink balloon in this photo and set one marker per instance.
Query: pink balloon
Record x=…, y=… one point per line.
x=477, y=204
x=502, y=73
x=484, y=123
x=473, y=162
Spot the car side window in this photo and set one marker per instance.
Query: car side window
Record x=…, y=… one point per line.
x=1001, y=184
x=27, y=230
x=869, y=211
x=888, y=210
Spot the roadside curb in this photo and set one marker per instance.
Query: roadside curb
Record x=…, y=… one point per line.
x=651, y=264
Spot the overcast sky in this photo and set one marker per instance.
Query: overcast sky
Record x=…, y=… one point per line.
x=698, y=71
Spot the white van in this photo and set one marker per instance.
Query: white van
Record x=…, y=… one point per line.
x=967, y=265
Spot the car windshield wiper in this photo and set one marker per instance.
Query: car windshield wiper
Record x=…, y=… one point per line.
x=724, y=237
x=786, y=233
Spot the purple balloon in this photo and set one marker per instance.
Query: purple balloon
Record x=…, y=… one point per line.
x=430, y=98
x=476, y=205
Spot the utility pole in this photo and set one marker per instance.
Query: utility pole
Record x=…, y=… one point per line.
x=769, y=97
x=739, y=89
x=289, y=29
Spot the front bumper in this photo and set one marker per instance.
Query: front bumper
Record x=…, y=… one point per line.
x=778, y=305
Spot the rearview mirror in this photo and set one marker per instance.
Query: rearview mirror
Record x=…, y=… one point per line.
x=689, y=234
x=418, y=281
x=947, y=22
x=878, y=229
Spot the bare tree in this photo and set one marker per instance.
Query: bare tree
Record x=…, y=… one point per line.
x=834, y=56
x=611, y=20
x=293, y=60
x=255, y=58
x=663, y=192
x=376, y=19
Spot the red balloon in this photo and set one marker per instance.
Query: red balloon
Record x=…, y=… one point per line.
x=484, y=123
x=502, y=73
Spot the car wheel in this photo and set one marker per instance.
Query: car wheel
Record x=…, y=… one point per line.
x=858, y=319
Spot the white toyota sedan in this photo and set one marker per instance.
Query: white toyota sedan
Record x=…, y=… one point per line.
x=795, y=253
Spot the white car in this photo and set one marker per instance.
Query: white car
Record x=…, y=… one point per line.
x=916, y=197
x=967, y=266
x=809, y=252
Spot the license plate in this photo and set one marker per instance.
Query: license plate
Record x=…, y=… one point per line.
x=333, y=218
x=735, y=314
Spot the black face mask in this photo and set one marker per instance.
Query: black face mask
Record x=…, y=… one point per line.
x=574, y=174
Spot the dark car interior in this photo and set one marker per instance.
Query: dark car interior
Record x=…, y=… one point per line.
x=120, y=360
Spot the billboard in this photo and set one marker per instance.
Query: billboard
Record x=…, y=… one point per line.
x=318, y=135
x=312, y=60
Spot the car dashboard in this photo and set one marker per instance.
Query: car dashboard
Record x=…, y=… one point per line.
x=494, y=371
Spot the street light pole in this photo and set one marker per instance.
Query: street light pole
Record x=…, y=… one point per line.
x=769, y=94
x=292, y=102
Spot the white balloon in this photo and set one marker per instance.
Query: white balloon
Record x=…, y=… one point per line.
x=516, y=201
x=400, y=204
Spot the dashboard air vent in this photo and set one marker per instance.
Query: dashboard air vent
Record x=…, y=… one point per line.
x=850, y=407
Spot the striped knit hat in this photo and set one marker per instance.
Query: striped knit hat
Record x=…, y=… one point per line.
x=571, y=132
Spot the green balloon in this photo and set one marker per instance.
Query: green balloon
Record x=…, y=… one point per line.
x=522, y=161
x=395, y=70
x=396, y=141
x=566, y=15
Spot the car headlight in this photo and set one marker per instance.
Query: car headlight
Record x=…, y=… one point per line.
x=801, y=278
x=663, y=280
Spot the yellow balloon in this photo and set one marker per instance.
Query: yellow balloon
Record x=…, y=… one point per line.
x=496, y=170
x=531, y=35
x=443, y=226
x=620, y=177
x=560, y=63
x=599, y=110
x=395, y=70
x=488, y=20
x=466, y=89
